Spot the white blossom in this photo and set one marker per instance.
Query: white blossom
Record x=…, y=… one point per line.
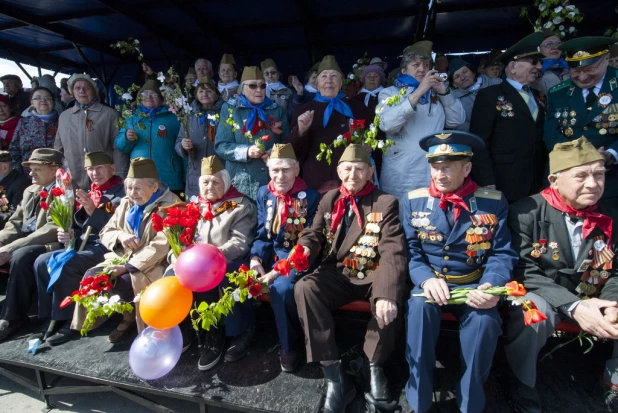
x=372, y=128
x=212, y=117
x=92, y=292
x=558, y=9
x=127, y=96
x=562, y=34
x=102, y=299
x=141, y=55
x=571, y=14
x=351, y=76
x=339, y=138
x=570, y=7
x=236, y=126
x=118, y=44
x=354, y=66
x=542, y=7
x=137, y=298
x=114, y=299
x=561, y=28
x=161, y=77
x=557, y=20
x=548, y=25
x=136, y=41
x=380, y=144
x=95, y=305
x=236, y=295
x=194, y=199
x=571, y=29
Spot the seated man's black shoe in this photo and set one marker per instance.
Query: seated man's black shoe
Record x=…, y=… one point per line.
x=188, y=335
x=524, y=399
x=212, y=351
x=8, y=328
x=289, y=360
x=378, y=383
x=607, y=393
x=62, y=336
x=339, y=390
x=239, y=345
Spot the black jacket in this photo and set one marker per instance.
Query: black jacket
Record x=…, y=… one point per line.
x=12, y=187
x=108, y=204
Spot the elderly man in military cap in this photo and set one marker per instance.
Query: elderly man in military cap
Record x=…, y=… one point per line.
x=20, y=99
x=58, y=273
x=457, y=236
x=286, y=206
x=566, y=262
x=587, y=104
x=426, y=106
x=509, y=118
x=357, y=232
x=29, y=233
x=88, y=126
x=12, y=186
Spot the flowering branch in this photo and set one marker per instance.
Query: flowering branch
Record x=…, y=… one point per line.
x=554, y=15
x=129, y=46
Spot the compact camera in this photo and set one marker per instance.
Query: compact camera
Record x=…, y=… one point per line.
x=443, y=76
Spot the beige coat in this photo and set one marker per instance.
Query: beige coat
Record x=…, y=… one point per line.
x=75, y=140
x=149, y=257
x=13, y=237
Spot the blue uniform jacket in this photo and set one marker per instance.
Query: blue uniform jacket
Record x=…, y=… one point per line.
x=448, y=255
x=265, y=247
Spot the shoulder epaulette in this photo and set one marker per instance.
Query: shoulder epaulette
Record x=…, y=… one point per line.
x=562, y=85
x=488, y=193
x=419, y=193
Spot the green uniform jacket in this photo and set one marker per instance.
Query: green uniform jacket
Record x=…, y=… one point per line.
x=567, y=119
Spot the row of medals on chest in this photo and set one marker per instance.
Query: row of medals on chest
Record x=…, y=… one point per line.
x=295, y=222
x=604, y=122
x=363, y=257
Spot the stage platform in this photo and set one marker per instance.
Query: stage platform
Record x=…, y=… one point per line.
x=256, y=383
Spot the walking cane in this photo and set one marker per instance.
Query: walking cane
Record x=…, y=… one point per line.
x=52, y=323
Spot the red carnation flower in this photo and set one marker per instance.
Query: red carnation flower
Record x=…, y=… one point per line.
x=249, y=280
x=358, y=124
x=101, y=283
x=57, y=191
x=87, y=281
x=43, y=194
x=170, y=221
x=243, y=268
x=266, y=138
x=44, y=205
x=299, y=259
x=174, y=212
x=347, y=136
x=283, y=267
x=255, y=290
x=157, y=222
x=186, y=238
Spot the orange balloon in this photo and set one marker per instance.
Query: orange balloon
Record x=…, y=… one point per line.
x=165, y=303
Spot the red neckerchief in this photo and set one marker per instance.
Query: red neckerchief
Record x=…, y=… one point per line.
x=96, y=191
x=299, y=185
x=231, y=193
x=592, y=219
x=455, y=198
x=340, y=204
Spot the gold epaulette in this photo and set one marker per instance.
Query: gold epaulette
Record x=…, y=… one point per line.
x=488, y=193
x=418, y=193
x=561, y=85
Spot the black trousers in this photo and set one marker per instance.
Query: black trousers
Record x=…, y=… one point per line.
x=22, y=283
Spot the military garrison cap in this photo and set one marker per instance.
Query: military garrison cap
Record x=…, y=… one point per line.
x=584, y=51
x=450, y=145
x=528, y=47
x=574, y=153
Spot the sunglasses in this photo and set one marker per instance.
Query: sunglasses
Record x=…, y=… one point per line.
x=254, y=86
x=551, y=44
x=533, y=61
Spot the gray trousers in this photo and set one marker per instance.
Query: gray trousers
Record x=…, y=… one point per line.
x=525, y=343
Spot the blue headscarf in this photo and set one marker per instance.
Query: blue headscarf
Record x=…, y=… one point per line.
x=335, y=103
x=55, y=264
x=256, y=111
x=151, y=112
x=549, y=63
x=136, y=213
x=404, y=80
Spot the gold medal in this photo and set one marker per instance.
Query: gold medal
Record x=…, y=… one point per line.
x=289, y=220
x=470, y=231
x=535, y=253
x=602, y=131
x=568, y=132
x=555, y=256
x=296, y=221
x=478, y=230
x=303, y=220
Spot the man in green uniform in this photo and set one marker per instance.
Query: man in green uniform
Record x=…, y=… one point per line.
x=587, y=104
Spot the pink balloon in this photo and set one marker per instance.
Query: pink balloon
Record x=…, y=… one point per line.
x=201, y=267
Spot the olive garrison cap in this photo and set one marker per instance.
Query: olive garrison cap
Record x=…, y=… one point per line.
x=142, y=168
x=211, y=165
x=355, y=153
x=268, y=63
x=97, y=158
x=282, y=151
x=329, y=63
x=251, y=73
x=574, y=153
x=528, y=47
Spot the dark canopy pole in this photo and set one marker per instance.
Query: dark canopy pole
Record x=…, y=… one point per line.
x=94, y=71
x=426, y=20
x=19, y=65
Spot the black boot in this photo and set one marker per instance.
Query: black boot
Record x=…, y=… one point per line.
x=339, y=391
x=379, y=384
x=524, y=399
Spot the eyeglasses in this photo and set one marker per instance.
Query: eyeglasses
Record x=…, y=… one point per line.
x=270, y=73
x=43, y=98
x=533, y=61
x=149, y=94
x=254, y=86
x=551, y=44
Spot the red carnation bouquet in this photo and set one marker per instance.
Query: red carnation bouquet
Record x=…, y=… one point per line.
x=93, y=296
x=514, y=293
x=60, y=209
x=179, y=225
x=297, y=260
x=247, y=285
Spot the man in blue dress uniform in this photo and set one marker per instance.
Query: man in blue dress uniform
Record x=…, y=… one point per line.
x=457, y=236
x=285, y=207
x=587, y=103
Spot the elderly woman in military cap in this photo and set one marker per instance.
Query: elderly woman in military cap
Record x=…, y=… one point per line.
x=320, y=121
x=249, y=126
x=285, y=207
x=151, y=133
x=58, y=273
x=228, y=85
x=130, y=231
x=229, y=220
x=202, y=131
x=275, y=90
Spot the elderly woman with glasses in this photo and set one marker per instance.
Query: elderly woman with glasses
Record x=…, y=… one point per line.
x=151, y=133
x=249, y=125
x=35, y=131
x=555, y=68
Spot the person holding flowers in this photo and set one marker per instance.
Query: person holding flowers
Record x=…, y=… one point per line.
x=357, y=233
x=249, y=126
x=202, y=131
x=567, y=260
x=58, y=275
x=130, y=233
x=228, y=220
x=457, y=236
x=28, y=233
x=285, y=207
x=151, y=133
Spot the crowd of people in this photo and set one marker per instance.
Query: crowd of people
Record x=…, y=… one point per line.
x=505, y=171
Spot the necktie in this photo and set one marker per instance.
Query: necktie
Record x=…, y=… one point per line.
x=529, y=99
x=591, y=98
x=450, y=216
